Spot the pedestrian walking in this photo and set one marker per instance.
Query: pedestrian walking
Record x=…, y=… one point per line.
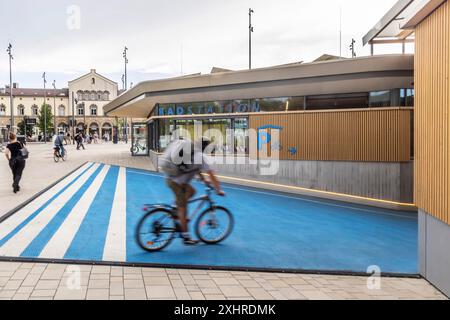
x=79, y=139
x=16, y=159
x=67, y=139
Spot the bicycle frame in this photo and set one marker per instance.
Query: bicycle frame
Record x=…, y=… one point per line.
x=205, y=199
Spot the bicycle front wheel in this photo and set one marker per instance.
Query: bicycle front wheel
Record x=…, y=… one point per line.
x=214, y=225
x=156, y=230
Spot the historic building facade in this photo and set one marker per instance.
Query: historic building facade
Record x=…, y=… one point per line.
x=91, y=92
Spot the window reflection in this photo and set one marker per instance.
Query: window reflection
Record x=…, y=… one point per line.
x=380, y=99
x=229, y=135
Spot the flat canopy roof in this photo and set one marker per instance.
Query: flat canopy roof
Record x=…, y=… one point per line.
x=398, y=24
x=328, y=77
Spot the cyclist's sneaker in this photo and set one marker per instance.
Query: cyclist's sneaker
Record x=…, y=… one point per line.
x=188, y=241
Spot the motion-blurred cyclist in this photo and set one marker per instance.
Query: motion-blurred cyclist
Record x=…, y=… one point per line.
x=181, y=163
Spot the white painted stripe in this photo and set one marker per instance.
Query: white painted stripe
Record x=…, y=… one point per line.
x=23, y=214
x=116, y=243
x=58, y=245
x=17, y=244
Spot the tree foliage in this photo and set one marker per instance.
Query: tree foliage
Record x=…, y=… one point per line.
x=45, y=117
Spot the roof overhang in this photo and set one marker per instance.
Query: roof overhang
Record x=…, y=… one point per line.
x=391, y=28
x=422, y=12
x=336, y=76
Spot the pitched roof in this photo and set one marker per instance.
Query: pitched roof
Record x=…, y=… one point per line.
x=34, y=92
x=93, y=71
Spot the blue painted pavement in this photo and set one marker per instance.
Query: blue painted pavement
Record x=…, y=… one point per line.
x=273, y=230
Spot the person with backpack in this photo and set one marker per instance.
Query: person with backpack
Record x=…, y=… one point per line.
x=79, y=139
x=16, y=155
x=181, y=163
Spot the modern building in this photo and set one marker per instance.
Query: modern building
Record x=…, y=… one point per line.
x=92, y=92
x=427, y=23
x=345, y=124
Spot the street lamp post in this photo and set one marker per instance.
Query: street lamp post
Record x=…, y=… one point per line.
x=126, y=88
x=84, y=117
x=45, y=107
x=9, y=50
x=250, y=31
x=126, y=62
x=73, y=117
x=54, y=106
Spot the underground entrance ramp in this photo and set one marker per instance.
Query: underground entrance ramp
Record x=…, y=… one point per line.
x=91, y=216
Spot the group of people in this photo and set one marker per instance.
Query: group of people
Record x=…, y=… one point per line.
x=81, y=138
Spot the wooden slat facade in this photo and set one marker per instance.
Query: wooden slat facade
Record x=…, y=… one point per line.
x=363, y=135
x=432, y=82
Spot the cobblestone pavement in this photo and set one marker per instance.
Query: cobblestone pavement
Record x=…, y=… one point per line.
x=23, y=281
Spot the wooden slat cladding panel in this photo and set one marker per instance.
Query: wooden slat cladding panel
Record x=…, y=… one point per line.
x=432, y=122
x=381, y=135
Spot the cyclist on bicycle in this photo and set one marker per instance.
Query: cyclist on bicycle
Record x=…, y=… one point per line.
x=182, y=162
x=59, y=144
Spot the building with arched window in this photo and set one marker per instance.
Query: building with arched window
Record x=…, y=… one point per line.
x=93, y=110
x=61, y=111
x=92, y=92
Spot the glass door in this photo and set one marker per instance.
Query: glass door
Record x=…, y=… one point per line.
x=139, y=139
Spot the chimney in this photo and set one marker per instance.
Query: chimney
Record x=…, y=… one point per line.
x=93, y=71
x=15, y=85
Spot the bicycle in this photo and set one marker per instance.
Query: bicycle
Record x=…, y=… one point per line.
x=138, y=147
x=57, y=155
x=157, y=229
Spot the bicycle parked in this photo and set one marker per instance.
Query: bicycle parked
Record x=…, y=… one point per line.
x=160, y=225
x=138, y=147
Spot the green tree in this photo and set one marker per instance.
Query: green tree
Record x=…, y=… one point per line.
x=46, y=113
x=21, y=129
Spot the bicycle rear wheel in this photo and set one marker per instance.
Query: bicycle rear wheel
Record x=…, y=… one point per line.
x=214, y=225
x=56, y=157
x=156, y=230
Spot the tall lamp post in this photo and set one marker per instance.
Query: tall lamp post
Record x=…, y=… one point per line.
x=125, y=57
x=54, y=106
x=73, y=117
x=9, y=50
x=250, y=31
x=45, y=107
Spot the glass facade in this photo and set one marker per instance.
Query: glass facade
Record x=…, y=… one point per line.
x=377, y=99
x=234, y=127
x=406, y=97
x=217, y=107
x=164, y=131
x=380, y=99
x=139, y=139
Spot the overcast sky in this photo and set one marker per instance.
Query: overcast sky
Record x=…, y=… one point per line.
x=171, y=37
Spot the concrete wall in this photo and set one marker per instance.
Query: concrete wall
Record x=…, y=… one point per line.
x=434, y=254
x=385, y=181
